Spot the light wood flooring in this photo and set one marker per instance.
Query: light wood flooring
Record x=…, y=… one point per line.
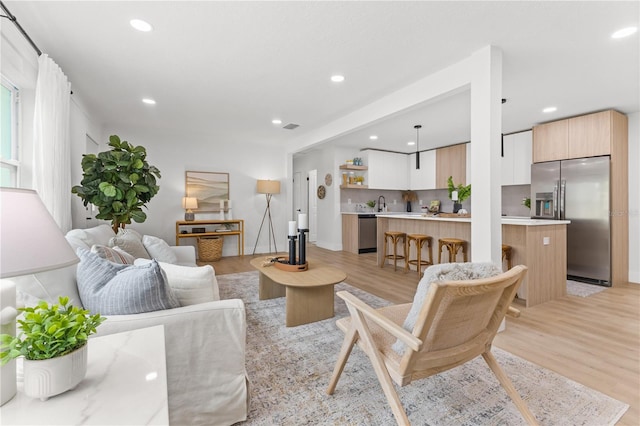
x=592, y=340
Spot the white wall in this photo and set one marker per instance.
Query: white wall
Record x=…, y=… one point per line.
x=180, y=150
x=634, y=197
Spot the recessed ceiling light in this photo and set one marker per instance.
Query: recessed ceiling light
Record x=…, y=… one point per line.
x=149, y=101
x=276, y=121
x=373, y=137
x=337, y=78
x=625, y=32
x=411, y=143
x=140, y=25
x=550, y=109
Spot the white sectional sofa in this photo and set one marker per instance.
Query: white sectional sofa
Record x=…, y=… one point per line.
x=204, y=342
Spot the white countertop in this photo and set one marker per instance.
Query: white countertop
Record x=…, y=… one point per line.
x=126, y=384
x=506, y=220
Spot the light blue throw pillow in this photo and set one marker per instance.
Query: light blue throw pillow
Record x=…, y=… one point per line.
x=111, y=289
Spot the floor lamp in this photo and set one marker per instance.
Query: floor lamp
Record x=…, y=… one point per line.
x=267, y=187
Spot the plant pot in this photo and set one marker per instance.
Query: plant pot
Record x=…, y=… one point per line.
x=48, y=377
x=408, y=206
x=456, y=207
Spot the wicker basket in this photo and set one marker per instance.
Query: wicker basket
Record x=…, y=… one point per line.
x=210, y=248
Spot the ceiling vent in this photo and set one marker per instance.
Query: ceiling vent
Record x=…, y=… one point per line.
x=291, y=126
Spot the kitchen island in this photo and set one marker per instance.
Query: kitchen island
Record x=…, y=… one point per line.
x=538, y=244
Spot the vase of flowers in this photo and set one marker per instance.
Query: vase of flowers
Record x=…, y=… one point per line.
x=408, y=197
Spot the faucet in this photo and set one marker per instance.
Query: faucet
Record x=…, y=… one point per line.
x=381, y=205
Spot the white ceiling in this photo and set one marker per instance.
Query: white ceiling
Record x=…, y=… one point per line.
x=226, y=69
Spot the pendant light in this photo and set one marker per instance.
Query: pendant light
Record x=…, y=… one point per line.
x=417, y=127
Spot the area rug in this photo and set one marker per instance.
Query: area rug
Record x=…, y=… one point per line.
x=576, y=288
x=289, y=370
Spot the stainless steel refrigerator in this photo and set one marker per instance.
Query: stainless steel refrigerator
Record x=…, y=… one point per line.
x=578, y=190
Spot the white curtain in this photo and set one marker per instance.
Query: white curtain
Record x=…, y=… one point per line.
x=51, y=145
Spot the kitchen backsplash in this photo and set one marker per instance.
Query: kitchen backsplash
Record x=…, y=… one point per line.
x=354, y=200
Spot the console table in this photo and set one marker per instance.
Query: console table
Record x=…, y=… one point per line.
x=184, y=229
x=126, y=384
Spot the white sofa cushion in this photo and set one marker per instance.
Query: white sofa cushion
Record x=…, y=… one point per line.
x=112, y=289
x=130, y=243
x=158, y=249
x=50, y=285
x=190, y=284
x=100, y=234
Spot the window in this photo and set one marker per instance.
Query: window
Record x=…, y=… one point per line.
x=9, y=158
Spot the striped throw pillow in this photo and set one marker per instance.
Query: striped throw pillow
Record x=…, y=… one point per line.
x=112, y=289
x=113, y=254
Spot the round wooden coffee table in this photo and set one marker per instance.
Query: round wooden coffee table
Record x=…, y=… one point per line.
x=309, y=294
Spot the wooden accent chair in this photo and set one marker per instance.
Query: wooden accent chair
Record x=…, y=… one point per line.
x=456, y=323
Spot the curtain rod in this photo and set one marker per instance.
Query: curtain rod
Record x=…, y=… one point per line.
x=13, y=19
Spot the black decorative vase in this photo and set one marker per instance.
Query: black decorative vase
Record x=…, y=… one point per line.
x=408, y=206
x=456, y=207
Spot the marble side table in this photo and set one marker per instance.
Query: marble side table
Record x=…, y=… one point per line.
x=126, y=384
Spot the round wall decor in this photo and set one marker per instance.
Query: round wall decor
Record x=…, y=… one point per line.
x=328, y=179
x=322, y=191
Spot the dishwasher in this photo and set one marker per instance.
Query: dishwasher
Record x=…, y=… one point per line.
x=367, y=233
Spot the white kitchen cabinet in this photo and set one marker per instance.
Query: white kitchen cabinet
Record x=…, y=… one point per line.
x=387, y=170
x=516, y=162
x=425, y=177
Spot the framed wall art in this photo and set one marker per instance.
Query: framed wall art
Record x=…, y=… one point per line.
x=209, y=188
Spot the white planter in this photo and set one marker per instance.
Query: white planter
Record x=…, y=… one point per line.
x=49, y=377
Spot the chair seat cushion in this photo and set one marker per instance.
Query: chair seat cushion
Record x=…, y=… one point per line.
x=112, y=289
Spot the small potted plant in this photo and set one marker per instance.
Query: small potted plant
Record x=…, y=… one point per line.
x=371, y=204
x=458, y=193
x=53, y=341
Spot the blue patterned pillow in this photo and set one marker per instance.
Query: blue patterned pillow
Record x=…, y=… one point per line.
x=111, y=289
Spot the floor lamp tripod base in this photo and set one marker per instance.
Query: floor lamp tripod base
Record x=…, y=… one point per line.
x=267, y=212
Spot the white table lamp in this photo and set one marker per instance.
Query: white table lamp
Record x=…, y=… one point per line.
x=189, y=203
x=30, y=242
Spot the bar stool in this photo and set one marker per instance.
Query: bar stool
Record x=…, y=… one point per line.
x=453, y=245
x=506, y=255
x=395, y=237
x=419, y=240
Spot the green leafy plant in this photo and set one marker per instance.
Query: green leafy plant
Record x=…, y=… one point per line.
x=526, y=202
x=49, y=331
x=464, y=192
x=371, y=203
x=119, y=182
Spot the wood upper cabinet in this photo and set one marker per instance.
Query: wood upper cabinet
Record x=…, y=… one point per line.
x=451, y=161
x=590, y=135
x=551, y=141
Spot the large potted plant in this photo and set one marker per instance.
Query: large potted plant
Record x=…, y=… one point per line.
x=53, y=340
x=119, y=182
x=458, y=193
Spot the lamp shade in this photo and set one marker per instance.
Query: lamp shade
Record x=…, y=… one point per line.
x=268, y=187
x=189, y=203
x=30, y=240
